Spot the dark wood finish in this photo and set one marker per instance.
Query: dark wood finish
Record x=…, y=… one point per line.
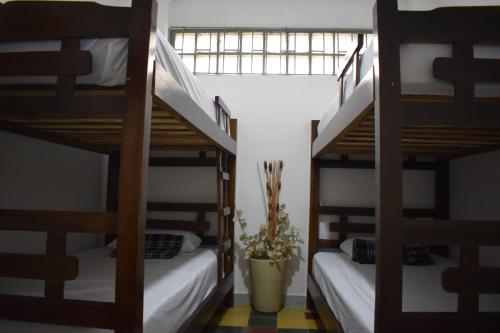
x=388, y=174
x=476, y=281
x=369, y=211
x=39, y=267
x=178, y=225
x=328, y=243
x=443, y=25
x=112, y=188
x=330, y=322
x=436, y=232
x=201, y=317
x=345, y=227
x=362, y=164
x=482, y=70
x=58, y=312
x=132, y=191
x=56, y=252
x=45, y=63
x=417, y=322
x=78, y=222
x=182, y=207
x=314, y=207
x=66, y=20
x=181, y=162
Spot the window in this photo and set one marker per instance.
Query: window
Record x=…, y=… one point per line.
x=287, y=52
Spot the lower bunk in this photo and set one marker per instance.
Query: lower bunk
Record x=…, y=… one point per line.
x=180, y=294
x=343, y=291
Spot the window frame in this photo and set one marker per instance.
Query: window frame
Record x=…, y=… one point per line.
x=265, y=53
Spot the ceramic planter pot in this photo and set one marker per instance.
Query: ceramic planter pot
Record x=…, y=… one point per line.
x=267, y=284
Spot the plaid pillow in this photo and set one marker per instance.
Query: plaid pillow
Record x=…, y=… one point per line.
x=363, y=251
x=417, y=255
x=160, y=246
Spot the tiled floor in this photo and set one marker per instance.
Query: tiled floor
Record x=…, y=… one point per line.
x=242, y=319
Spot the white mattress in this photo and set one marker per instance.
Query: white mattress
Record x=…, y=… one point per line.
x=109, y=65
x=349, y=289
x=417, y=74
x=173, y=289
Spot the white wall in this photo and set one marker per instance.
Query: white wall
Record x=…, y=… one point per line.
x=44, y=176
x=475, y=194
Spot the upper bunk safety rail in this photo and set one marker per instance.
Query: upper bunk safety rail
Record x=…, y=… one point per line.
x=223, y=114
x=55, y=20
x=476, y=25
x=351, y=59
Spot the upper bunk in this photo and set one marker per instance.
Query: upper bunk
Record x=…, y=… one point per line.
x=450, y=91
x=65, y=80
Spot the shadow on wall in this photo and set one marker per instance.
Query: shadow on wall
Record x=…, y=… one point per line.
x=293, y=267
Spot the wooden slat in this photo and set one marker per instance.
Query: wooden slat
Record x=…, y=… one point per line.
x=45, y=63
x=328, y=243
x=360, y=164
x=181, y=162
x=370, y=211
x=35, y=107
x=58, y=312
x=178, y=225
x=479, y=70
x=436, y=322
x=77, y=222
x=482, y=280
x=368, y=228
x=442, y=232
x=38, y=267
x=181, y=207
x=479, y=114
x=445, y=25
x=58, y=20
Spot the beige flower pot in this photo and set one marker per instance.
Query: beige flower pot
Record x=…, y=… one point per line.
x=267, y=284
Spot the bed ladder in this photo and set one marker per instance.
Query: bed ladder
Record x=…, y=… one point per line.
x=225, y=207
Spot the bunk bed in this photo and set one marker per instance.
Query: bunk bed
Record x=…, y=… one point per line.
x=101, y=78
x=420, y=127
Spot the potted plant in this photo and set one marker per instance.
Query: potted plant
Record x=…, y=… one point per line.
x=270, y=248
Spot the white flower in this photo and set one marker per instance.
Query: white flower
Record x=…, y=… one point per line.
x=239, y=212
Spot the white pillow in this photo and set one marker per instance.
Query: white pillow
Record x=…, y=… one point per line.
x=191, y=241
x=346, y=246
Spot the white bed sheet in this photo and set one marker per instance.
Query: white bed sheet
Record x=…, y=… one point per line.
x=109, y=65
x=349, y=289
x=173, y=289
x=417, y=76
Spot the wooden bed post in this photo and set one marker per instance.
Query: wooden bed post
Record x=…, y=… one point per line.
x=233, y=123
x=112, y=188
x=388, y=164
x=313, y=210
x=129, y=292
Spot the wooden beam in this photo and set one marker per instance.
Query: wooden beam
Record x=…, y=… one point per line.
x=57, y=221
x=370, y=211
x=327, y=243
x=58, y=312
x=14, y=108
x=135, y=145
x=363, y=164
x=45, y=63
x=38, y=267
x=181, y=207
x=418, y=322
x=178, y=225
x=482, y=280
x=446, y=232
x=56, y=20
x=181, y=162
x=445, y=25
x=346, y=227
x=479, y=70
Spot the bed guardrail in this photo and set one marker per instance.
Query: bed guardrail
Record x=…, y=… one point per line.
x=351, y=59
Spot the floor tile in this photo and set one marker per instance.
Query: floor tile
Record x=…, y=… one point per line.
x=225, y=329
x=289, y=330
x=262, y=319
x=295, y=318
x=236, y=316
x=261, y=330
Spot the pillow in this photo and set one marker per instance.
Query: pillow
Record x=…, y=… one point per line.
x=160, y=246
x=191, y=241
x=346, y=246
x=417, y=255
x=363, y=251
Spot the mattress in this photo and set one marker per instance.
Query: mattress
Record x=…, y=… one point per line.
x=349, y=289
x=416, y=73
x=109, y=65
x=173, y=289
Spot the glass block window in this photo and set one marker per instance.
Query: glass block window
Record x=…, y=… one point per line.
x=276, y=52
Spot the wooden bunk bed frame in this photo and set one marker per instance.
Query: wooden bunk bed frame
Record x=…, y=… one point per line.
x=393, y=125
x=151, y=112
